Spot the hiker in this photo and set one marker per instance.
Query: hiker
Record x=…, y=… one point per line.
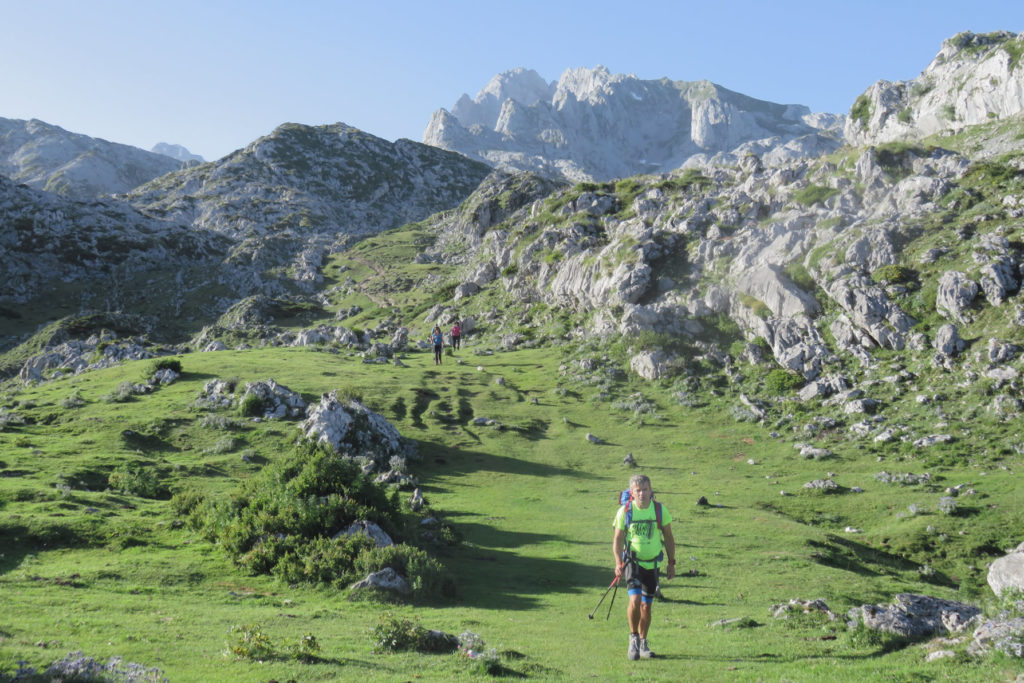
x=438, y=339
x=639, y=548
x=456, y=334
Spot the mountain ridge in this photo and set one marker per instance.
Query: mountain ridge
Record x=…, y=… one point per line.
x=47, y=157
x=595, y=125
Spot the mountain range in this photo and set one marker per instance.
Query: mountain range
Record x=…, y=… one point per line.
x=766, y=190
x=594, y=125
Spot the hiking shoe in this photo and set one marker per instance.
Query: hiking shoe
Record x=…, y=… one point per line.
x=633, y=653
x=643, y=650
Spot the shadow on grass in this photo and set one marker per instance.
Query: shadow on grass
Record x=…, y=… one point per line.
x=459, y=461
x=843, y=553
x=489, y=578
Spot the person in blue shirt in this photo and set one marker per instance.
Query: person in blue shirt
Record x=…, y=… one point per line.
x=438, y=339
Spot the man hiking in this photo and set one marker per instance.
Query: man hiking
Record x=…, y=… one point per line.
x=639, y=527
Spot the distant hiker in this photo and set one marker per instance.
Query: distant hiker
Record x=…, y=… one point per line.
x=456, y=334
x=638, y=548
x=438, y=339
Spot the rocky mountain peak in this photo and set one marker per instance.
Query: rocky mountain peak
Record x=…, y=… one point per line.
x=595, y=125
x=974, y=79
x=47, y=157
x=588, y=85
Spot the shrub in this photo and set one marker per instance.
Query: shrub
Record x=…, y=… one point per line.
x=800, y=277
x=251, y=406
x=861, y=111
x=141, y=482
x=165, y=364
x=250, y=643
x=425, y=575
x=892, y=274
x=307, y=649
x=394, y=634
x=781, y=381
x=814, y=194
x=124, y=392
x=225, y=445
x=75, y=400
x=282, y=521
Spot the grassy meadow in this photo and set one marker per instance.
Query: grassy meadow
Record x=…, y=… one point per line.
x=87, y=568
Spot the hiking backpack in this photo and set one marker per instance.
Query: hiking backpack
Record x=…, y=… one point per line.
x=626, y=498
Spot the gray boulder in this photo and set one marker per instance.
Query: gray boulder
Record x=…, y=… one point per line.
x=955, y=295
x=277, y=400
x=369, y=529
x=464, y=290
x=386, y=579
x=1007, y=572
x=948, y=341
x=652, y=364
x=350, y=428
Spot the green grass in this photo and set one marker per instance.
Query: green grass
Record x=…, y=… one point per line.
x=109, y=573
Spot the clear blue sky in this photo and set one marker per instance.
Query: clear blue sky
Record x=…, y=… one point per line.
x=214, y=75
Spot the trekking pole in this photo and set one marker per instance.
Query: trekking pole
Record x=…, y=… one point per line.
x=614, y=582
x=613, y=600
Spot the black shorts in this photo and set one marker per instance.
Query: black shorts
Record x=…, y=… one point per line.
x=641, y=581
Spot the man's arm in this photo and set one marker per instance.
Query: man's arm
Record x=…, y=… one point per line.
x=617, y=543
x=670, y=550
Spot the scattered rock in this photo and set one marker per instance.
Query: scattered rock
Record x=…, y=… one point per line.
x=916, y=616
x=386, y=579
x=369, y=529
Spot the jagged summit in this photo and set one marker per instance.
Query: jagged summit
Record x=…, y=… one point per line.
x=595, y=125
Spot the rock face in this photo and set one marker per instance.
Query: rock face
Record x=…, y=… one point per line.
x=45, y=237
x=595, y=125
x=974, y=79
x=47, y=157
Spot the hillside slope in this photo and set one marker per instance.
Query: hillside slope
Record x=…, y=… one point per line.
x=47, y=157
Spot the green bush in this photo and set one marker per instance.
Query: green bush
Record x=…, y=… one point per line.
x=250, y=643
x=892, y=274
x=425, y=575
x=165, y=364
x=394, y=634
x=781, y=381
x=121, y=394
x=796, y=272
x=861, y=111
x=185, y=501
x=307, y=649
x=814, y=194
x=251, y=406
x=282, y=521
x=142, y=482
